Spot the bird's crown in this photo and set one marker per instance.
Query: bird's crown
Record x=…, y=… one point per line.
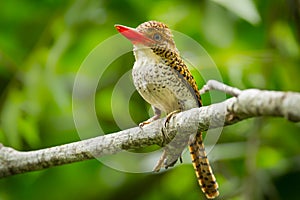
x=158, y=32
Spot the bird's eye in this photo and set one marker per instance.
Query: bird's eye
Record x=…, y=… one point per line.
x=156, y=36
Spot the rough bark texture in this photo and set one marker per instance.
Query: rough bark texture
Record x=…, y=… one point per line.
x=249, y=103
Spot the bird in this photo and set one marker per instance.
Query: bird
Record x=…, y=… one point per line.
x=163, y=79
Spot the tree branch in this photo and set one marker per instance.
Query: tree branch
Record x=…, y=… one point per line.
x=248, y=103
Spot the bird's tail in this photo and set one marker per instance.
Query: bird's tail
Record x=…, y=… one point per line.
x=204, y=173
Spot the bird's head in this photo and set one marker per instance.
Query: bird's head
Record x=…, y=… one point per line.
x=151, y=34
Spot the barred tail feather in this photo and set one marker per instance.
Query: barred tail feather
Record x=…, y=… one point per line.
x=204, y=173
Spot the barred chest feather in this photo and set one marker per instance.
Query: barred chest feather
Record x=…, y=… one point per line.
x=160, y=85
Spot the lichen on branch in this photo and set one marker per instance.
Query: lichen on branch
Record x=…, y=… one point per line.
x=247, y=104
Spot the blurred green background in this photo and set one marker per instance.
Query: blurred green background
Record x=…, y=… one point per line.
x=255, y=44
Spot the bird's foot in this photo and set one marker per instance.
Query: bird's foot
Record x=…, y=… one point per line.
x=155, y=117
x=166, y=137
x=157, y=114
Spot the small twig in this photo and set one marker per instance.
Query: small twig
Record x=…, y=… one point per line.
x=215, y=85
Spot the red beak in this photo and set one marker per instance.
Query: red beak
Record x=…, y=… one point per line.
x=133, y=35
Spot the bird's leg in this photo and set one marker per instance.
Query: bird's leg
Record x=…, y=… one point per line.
x=157, y=114
x=216, y=85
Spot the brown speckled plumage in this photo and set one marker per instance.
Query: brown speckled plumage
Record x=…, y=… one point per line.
x=173, y=59
x=163, y=80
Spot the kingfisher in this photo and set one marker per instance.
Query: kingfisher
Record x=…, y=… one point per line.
x=163, y=79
